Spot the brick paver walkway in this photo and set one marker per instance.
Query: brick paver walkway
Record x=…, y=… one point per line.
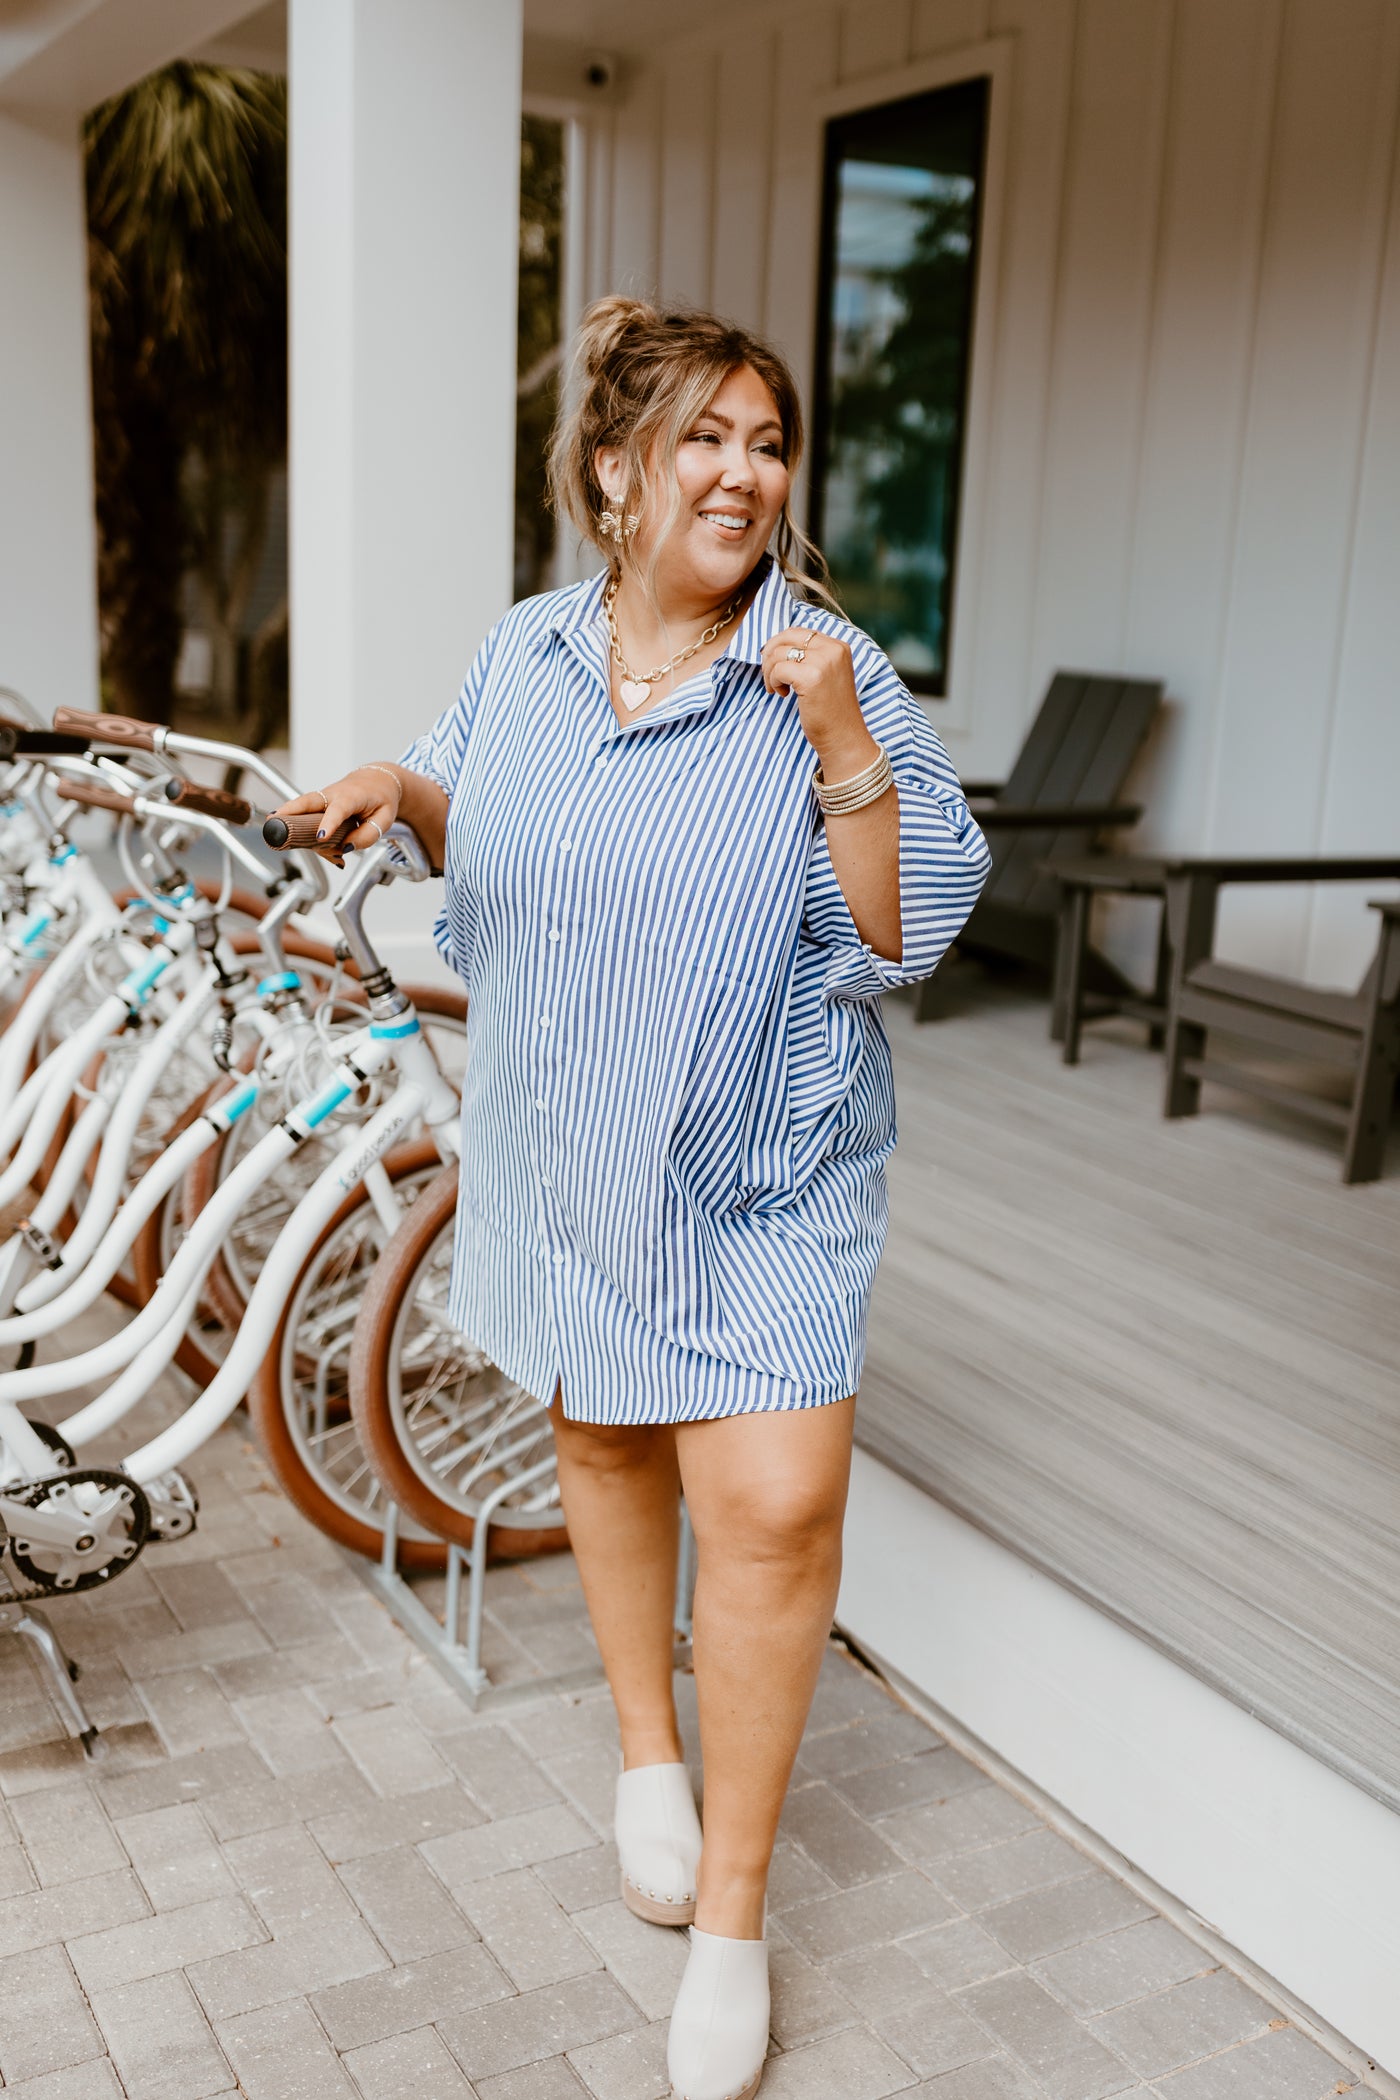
x=305, y=1870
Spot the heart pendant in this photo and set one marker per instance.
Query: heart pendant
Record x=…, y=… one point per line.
x=634, y=691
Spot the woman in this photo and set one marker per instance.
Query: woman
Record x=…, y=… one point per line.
x=692, y=826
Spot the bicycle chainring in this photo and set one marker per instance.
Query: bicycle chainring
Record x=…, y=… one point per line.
x=111, y=1521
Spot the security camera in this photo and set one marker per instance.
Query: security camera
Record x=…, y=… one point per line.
x=599, y=70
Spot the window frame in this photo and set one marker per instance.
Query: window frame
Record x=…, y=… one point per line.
x=929, y=686
x=990, y=59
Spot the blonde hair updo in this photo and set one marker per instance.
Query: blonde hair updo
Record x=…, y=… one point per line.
x=641, y=376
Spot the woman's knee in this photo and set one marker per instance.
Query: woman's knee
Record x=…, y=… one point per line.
x=783, y=1522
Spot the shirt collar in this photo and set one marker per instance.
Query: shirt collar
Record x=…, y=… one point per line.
x=578, y=606
x=772, y=608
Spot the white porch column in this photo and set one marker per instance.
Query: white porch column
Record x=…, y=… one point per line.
x=48, y=555
x=404, y=170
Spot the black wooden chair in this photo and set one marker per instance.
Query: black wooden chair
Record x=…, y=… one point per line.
x=1356, y=1034
x=1063, y=793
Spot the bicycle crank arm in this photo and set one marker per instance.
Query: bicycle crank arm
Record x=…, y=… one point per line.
x=74, y=1530
x=174, y=1508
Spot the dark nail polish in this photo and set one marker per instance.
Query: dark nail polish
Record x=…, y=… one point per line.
x=320, y=834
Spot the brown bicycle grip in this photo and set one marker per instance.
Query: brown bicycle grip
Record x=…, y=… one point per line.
x=285, y=834
x=95, y=797
x=209, y=801
x=106, y=729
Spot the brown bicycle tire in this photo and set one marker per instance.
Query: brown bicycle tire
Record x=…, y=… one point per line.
x=264, y=1402
x=391, y=1283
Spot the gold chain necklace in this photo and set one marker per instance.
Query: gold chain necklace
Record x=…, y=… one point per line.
x=634, y=686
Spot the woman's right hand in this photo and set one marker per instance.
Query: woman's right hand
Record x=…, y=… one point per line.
x=371, y=793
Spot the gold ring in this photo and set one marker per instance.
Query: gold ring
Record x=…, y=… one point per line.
x=795, y=656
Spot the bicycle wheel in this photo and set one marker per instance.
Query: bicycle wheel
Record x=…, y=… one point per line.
x=300, y=1401
x=443, y=1426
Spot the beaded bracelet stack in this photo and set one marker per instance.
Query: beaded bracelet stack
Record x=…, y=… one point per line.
x=842, y=797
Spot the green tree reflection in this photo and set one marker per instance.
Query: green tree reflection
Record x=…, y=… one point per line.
x=897, y=430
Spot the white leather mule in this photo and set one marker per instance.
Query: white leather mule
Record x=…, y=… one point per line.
x=719, y=2029
x=658, y=1843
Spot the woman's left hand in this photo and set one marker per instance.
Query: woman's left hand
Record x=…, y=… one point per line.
x=822, y=681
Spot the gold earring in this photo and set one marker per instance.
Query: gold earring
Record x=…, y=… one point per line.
x=614, y=526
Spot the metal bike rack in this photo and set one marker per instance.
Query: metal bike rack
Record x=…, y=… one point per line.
x=460, y=1661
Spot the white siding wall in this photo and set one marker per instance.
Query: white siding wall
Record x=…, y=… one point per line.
x=1191, y=387
x=48, y=552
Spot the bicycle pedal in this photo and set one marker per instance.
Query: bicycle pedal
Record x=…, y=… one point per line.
x=174, y=1508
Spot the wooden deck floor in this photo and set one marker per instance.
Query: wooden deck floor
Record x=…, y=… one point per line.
x=1160, y=1360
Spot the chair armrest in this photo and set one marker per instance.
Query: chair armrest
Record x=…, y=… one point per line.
x=1388, y=907
x=1055, y=816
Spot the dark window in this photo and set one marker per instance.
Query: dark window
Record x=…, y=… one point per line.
x=900, y=209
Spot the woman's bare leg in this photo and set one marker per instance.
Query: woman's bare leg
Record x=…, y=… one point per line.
x=621, y=1493
x=767, y=1497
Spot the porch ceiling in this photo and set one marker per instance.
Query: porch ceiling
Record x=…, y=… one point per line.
x=64, y=56
x=560, y=36
x=615, y=25
x=60, y=57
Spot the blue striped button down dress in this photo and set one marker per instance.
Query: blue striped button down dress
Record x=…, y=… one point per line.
x=678, y=1101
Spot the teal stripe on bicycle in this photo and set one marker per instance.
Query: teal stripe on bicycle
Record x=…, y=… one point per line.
x=136, y=988
x=325, y=1103
x=237, y=1103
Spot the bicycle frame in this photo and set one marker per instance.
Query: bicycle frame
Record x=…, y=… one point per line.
x=146, y=1344
x=59, y=1074
x=99, y=915
x=218, y=985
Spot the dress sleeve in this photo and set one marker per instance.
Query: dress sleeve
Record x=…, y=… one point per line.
x=439, y=754
x=943, y=857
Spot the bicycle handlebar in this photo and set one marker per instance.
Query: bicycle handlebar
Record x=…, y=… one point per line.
x=107, y=729
x=94, y=797
x=286, y=834
x=209, y=801
x=153, y=736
